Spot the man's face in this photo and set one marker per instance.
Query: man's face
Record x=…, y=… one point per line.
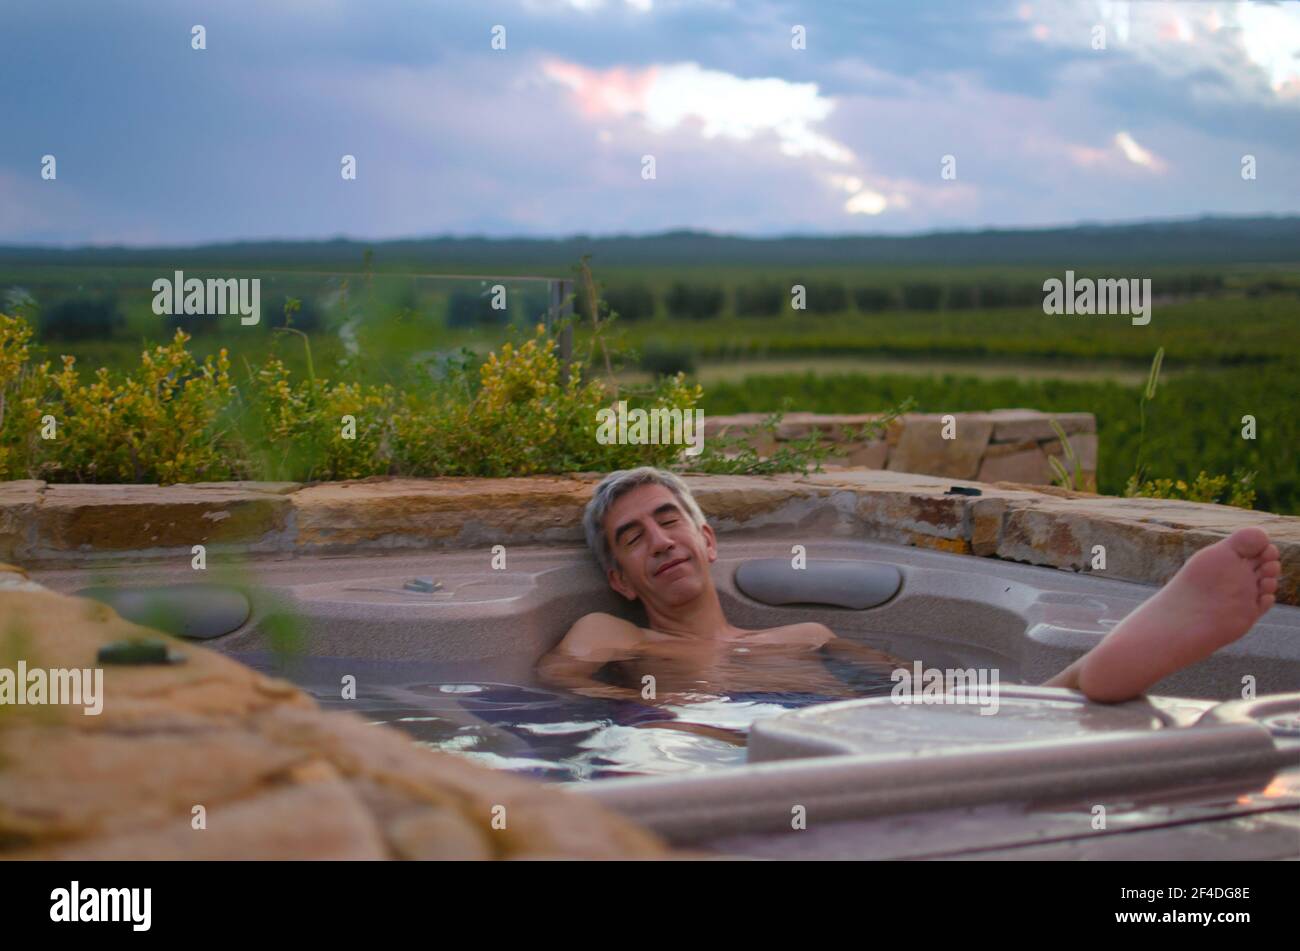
x=660, y=555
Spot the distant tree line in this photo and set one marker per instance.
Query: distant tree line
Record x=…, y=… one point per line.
x=82, y=317
x=769, y=298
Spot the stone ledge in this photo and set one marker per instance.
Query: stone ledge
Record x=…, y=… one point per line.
x=400, y=512
x=1146, y=539
x=131, y=517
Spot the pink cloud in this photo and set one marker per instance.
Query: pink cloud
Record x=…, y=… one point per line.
x=604, y=93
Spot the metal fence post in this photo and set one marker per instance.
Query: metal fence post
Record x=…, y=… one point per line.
x=562, y=307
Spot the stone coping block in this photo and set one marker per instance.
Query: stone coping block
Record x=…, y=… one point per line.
x=998, y=445
x=400, y=512
x=135, y=517
x=278, y=777
x=1146, y=540
x=922, y=448
x=18, y=502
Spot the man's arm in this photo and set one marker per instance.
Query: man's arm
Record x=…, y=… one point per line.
x=853, y=651
x=593, y=641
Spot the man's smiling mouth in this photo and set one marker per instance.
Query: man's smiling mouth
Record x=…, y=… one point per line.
x=664, y=567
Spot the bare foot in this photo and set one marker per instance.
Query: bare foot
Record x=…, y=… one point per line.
x=1215, y=598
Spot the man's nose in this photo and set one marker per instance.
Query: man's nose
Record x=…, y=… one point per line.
x=659, y=539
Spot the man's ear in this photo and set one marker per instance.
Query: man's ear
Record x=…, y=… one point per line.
x=615, y=578
x=710, y=542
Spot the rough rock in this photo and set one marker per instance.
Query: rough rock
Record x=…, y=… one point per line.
x=276, y=776
x=1014, y=425
x=922, y=447
x=1084, y=446
x=1029, y=465
x=871, y=455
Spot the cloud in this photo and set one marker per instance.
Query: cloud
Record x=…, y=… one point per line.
x=723, y=105
x=1238, y=52
x=1138, y=155
x=1271, y=37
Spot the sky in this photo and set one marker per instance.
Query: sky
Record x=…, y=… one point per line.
x=539, y=117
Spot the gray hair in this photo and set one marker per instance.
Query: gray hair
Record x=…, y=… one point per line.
x=620, y=483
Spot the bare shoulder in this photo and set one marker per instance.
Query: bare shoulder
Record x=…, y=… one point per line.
x=593, y=633
x=815, y=632
x=809, y=632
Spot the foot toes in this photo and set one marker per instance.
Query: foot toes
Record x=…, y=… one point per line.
x=1269, y=569
x=1265, y=602
x=1248, y=542
x=1268, y=586
x=1268, y=554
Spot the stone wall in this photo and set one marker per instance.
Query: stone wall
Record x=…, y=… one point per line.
x=1002, y=445
x=1147, y=539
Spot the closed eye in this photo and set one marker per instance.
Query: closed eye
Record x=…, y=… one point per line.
x=631, y=538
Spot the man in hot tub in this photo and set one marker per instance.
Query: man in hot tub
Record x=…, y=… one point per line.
x=656, y=547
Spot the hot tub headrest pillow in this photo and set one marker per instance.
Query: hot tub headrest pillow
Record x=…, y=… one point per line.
x=842, y=584
x=197, y=610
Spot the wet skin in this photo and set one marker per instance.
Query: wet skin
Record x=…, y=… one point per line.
x=691, y=650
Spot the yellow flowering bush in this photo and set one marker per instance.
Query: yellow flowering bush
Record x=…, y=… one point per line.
x=175, y=419
x=528, y=416
x=22, y=389
x=298, y=431
x=1237, y=490
x=157, y=424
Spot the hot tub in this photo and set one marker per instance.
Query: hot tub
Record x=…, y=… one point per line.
x=1194, y=771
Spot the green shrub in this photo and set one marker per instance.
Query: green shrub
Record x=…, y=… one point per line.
x=826, y=297
x=761, y=299
x=1239, y=490
x=631, y=301
x=922, y=296
x=695, y=301
x=81, y=318
x=871, y=300
x=158, y=423
x=582, y=304
x=664, y=360
x=306, y=316
x=1200, y=283
x=1267, y=288
x=962, y=296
